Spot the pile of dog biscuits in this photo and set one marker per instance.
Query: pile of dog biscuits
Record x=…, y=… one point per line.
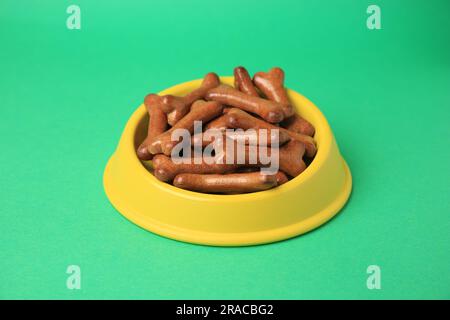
x=242, y=126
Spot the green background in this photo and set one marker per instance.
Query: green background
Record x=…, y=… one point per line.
x=65, y=96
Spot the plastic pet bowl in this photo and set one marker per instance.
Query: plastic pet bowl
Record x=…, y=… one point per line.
x=300, y=205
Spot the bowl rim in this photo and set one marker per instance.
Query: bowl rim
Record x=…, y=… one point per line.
x=322, y=127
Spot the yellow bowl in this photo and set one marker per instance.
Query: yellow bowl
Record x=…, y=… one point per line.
x=300, y=205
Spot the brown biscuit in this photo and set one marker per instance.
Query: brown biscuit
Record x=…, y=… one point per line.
x=298, y=124
x=268, y=110
x=243, y=82
x=281, y=178
x=254, y=137
x=219, y=123
x=291, y=158
x=157, y=124
x=271, y=85
x=200, y=111
x=240, y=119
x=225, y=183
x=165, y=169
x=177, y=107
